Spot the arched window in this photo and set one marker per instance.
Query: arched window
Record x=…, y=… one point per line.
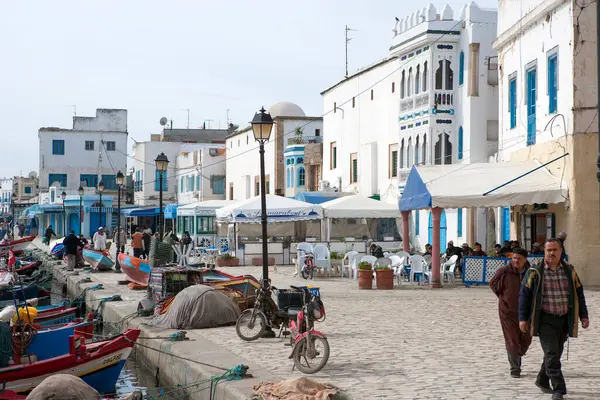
x=439, y=75
x=181, y=187
x=461, y=68
x=449, y=76
x=424, y=149
x=409, y=153
x=287, y=177
x=460, y=143
x=301, y=177
x=287, y=162
x=402, y=83
x=447, y=149
x=418, y=79
x=425, y=76
x=409, y=83
x=417, y=152
x=401, y=154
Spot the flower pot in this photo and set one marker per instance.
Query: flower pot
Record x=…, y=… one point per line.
x=257, y=261
x=385, y=279
x=365, y=279
x=228, y=262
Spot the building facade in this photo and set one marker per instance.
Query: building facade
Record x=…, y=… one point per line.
x=431, y=100
x=548, y=108
x=94, y=150
x=6, y=193
x=201, y=174
x=293, y=156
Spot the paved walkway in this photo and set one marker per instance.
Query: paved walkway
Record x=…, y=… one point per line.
x=415, y=343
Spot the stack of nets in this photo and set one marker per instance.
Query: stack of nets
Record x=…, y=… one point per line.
x=161, y=253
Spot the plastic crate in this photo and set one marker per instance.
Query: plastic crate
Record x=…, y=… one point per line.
x=314, y=290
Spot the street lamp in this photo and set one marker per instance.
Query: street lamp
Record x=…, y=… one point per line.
x=81, y=192
x=120, y=180
x=262, y=123
x=63, y=196
x=162, y=162
x=100, y=190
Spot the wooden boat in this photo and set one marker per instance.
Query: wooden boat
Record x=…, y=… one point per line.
x=247, y=285
x=210, y=275
x=22, y=293
x=136, y=269
x=53, y=341
x=98, y=260
x=98, y=364
x=59, y=315
x=58, y=250
x=28, y=269
x=16, y=245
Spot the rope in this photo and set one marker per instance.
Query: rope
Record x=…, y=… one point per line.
x=100, y=309
x=234, y=374
x=6, y=344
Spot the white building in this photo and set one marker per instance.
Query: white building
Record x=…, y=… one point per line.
x=6, y=191
x=292, y=156
x=201, y=173
x=95, y=149
x=548, y=107
x=431, y=100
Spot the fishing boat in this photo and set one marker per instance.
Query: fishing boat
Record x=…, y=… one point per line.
x=98, y=364
x=53, y=341
x=59, y=315
x=27, y=269
x=98, y=260
x=210, y=275
x=136, y=269
x=22, y=293
x=16, y=245
x=247, y=285
x=58, y=250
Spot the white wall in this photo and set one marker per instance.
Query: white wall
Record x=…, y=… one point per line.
x=515, y=54
x=200, y=163
x=451, y=229
x=144, y=154
x=6, y=189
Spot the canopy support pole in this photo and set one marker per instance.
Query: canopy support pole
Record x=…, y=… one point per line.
x=436, y=266
x=525, y=174
x=405, y=232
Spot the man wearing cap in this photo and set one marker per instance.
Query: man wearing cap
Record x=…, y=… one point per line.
x=99, y=240
x=506, y=284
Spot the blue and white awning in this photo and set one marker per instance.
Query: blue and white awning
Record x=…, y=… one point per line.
x=481, y=185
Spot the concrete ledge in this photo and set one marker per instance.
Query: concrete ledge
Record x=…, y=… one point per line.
x=172, y=370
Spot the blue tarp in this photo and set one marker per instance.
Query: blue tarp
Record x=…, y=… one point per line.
x=416, y=196
x=170, y=211
x=141, y=212
x=316, y=197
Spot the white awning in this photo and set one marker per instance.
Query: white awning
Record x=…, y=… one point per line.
x=359, y=207
x=200, y=208
x=464, y=185
x=279, y=209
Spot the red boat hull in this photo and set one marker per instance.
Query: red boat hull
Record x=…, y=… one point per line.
x=16, y=245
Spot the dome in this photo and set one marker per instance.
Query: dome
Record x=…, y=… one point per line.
x=286, y=109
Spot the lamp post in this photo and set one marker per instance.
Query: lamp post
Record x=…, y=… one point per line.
x=120, y=180
x=63, y=196
x=262, y=123
x=81, y=192
x=100, y=191
x=162, y=162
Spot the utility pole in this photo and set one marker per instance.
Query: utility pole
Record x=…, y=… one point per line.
x=597, y=81
x=348, y=39
x=188, y=112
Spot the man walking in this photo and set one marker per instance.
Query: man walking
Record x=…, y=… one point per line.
x=137, y=243
x=551, y=303
x=72, y=245
x=99, y=240
x=506, y=284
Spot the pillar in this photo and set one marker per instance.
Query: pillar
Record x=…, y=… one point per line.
x=405, y=232
x=435, y=238
x=471, y=230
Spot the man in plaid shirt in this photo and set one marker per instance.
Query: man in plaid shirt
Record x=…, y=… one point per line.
x=551, y=302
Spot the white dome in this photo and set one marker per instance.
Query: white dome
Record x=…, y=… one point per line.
x=286, y=109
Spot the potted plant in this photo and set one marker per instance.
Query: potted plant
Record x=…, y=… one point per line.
x=365, y=275
x=385, y=278
x=227, y=260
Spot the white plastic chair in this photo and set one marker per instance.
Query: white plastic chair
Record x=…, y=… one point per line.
x=449, y=273
x=323, y=258
x=405, y=255
x=381, y=262
x=417, y=266
x=301, y=250
x=348, y=256
x=354, y=261
x=370, y=259
x=450, y=264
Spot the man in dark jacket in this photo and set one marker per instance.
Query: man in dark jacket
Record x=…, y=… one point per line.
x=72, y=245
x=551, y=303
x=48, y=234
x=506, y=284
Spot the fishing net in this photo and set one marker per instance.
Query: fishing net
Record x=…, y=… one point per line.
x=198, y=307
x=161, y=253
x=63, y=387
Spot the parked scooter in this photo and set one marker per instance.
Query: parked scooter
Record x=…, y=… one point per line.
x=308, y=267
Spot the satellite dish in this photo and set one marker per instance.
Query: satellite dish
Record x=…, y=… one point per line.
x=32, y=175
x=163, y=121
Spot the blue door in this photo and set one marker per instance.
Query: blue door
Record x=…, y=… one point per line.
x=505, y=223
x=74, y=223
x=443, y=236
x=531, y=106
x=94, y=222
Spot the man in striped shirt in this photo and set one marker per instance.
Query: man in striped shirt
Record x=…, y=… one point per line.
x=551, y=302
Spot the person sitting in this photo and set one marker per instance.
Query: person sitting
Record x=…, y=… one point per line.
x=497, y=250
x=536, y=249
x=478, y=252
x=376, y=250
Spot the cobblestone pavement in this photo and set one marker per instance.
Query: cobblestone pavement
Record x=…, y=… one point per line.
x=415, y=343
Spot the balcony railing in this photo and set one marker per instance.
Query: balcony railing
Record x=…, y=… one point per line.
x=304, y=140
x=406, y=105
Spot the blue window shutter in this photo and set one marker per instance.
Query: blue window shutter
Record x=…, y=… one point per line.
x=58, y=147
x=505, y=223
x=461, y=68
x=512, y=102
x=460, y=143
x=460, y=221
x=198, y=183
x=552, y=83
x=417, y=212
x=531, y=106
x=156, y=180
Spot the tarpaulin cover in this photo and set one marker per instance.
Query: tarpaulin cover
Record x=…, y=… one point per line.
x=463, y=185
x=297, y=389
x=359, y=207
x=198, y=307
x=64, y=387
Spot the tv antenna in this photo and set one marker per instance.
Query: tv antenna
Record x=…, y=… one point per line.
x=348, y=39
x=74, y=109
x=188, y=112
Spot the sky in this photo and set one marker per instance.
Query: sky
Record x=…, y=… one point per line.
x=158, y=59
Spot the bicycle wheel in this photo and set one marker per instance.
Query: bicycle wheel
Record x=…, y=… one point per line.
x=250, y=325
x=311, y=361
x=304, y=272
